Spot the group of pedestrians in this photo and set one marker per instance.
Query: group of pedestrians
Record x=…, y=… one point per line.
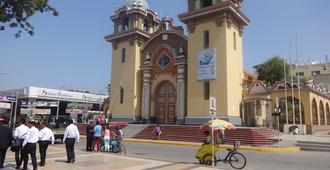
x=25, y=138
x=24, y=142
x=96, y=135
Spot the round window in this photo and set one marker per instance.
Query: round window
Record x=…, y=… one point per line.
x=163, y=61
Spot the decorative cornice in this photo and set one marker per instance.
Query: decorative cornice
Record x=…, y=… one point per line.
x=226, y=6
x=279, y=86
x=128, y=33
x=191, y=27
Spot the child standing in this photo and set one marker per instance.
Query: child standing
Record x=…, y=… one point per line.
x=106, y=138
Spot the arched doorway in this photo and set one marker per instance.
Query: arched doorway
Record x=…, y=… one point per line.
x=296, y=117
x=165, y=103
x=315, y=117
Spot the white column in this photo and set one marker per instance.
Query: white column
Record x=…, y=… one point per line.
x=146, y=95
x=180, y=96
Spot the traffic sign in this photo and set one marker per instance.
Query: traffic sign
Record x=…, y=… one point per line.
x=213, y=107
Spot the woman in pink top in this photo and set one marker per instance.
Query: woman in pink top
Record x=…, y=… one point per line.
x=106, y=138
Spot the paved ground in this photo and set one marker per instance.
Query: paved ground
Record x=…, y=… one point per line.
x=149, y=156
x=255, y=160
x=56, y=158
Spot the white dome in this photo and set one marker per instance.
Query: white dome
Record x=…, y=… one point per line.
x=132, y=3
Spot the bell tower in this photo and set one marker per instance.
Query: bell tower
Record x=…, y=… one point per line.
x=215, y=58
x=133, y=25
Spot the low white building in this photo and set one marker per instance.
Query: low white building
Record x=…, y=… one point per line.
x=53, y=104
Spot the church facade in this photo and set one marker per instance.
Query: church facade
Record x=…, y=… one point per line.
x=162, y=75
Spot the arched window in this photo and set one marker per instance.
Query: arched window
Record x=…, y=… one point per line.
x=314, y=113
x=322, y=118
x=327, y=111
x=126, y=24
x=206, y=3
x=146, y=26
x=121, y=95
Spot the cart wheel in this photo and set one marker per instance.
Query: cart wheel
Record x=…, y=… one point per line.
x=208, y=160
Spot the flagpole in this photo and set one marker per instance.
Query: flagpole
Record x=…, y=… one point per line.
x=286, y=94
x=300, y=118
x=292, y=93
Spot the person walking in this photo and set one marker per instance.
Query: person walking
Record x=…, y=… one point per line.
x=20, y=134
x=6, y=136
x=46, y=137
x=30, y=145
x=97, y=136
x=71, y=135
x=157, y=131
x=90, y=135
x=106, y=139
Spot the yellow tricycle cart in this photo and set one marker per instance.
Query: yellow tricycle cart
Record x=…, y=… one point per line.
x=204, y=154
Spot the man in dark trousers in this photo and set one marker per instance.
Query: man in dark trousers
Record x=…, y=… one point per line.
x=6, y=136
x=30, y=145
x=71, y=135
x=46, y=137
x=90, y=135
x=20, y=133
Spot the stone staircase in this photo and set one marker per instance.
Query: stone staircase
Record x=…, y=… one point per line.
x=187, y=133
x=314, y=146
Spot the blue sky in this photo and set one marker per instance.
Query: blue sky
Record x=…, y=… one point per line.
x=69, y=51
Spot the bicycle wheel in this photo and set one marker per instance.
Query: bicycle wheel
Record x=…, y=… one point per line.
x=237, y=160
x=201, y=161
x=122, y=148
x=208, y=160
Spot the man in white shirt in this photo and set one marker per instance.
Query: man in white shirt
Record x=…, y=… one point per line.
x=20, y=133
x=30, y=144
x=71, y=135
x=46, y=137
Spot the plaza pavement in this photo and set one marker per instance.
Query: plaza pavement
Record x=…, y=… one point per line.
x=56, y=157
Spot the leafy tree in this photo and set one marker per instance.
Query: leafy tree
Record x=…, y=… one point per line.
x=272, y=70
x=304, y=79
x=15, y=14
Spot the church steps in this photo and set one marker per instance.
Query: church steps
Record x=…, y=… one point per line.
x=246, y=136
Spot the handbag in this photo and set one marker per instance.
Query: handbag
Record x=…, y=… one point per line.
x=15, y=145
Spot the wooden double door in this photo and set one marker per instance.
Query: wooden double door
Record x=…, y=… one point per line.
x=166, y=104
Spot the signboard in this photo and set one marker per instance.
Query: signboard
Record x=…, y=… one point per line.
x=78, y=108
x=5, y=105
x=35, y=111
x=7, y=98
x=213, y=107
x=206, y=65
x=76, y=111
x=62, y=94
x=32, y=104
